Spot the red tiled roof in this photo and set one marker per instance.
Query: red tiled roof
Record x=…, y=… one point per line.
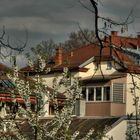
x=122, y=57
x=76, y=57
x=6, y=97
x=127, y=42
x=131, y=69
x=80, y=55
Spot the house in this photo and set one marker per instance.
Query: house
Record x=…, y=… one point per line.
x=109, y=81
x=6, y=100
x=106, y=77
x=129, y=44
x=6, y=86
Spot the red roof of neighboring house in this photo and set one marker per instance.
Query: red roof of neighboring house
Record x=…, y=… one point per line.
x=123, y=41
x=131, y=69
x=6, y=97
x=127, y=42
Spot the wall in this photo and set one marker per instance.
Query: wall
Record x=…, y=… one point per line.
x=90, y=72
x=117, y=132
x=48, y=79
x=130, y=108
x=104, y=109
x=97, y=109
x=124, y=81
x=80, y=108
x=92, y=69
x=118, y=109
x=105, y=70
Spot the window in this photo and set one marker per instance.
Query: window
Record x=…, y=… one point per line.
x=91, y=94
x=6, y=83
x=118, y=91
x=109, y=65
x=103, y=93
x=84, y=93
x=106, y=95
x=96, y=93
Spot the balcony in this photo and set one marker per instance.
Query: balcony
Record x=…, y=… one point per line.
x=105, y=100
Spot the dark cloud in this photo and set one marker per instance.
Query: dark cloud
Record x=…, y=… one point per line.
x=120, y=9
x=56, y=19
x=36, y=8
x=46, y=18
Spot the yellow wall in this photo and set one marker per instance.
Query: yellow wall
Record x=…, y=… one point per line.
x=117, y=132
x=130, y=108
x=48, y=79
x=92, y=70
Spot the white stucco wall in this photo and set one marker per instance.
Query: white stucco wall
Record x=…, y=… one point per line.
x=118, y=132
x=130, y=108
x=48, y=78
x=46, y=106
x=92, y=70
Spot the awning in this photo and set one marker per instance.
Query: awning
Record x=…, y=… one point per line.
x=7, y=98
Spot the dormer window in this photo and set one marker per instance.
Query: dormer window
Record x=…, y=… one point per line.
x=109, y=65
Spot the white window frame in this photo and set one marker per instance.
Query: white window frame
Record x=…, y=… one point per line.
x=96, y=93
x=102, y=94
x=86, y=94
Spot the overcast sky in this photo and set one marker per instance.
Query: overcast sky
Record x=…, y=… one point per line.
x=55, y=19
x=44, y=19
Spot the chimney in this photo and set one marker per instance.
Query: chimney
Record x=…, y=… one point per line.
x=114, y=33
x=138, y=39
x=58, y=56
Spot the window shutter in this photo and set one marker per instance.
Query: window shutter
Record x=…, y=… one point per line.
x=118, y=92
